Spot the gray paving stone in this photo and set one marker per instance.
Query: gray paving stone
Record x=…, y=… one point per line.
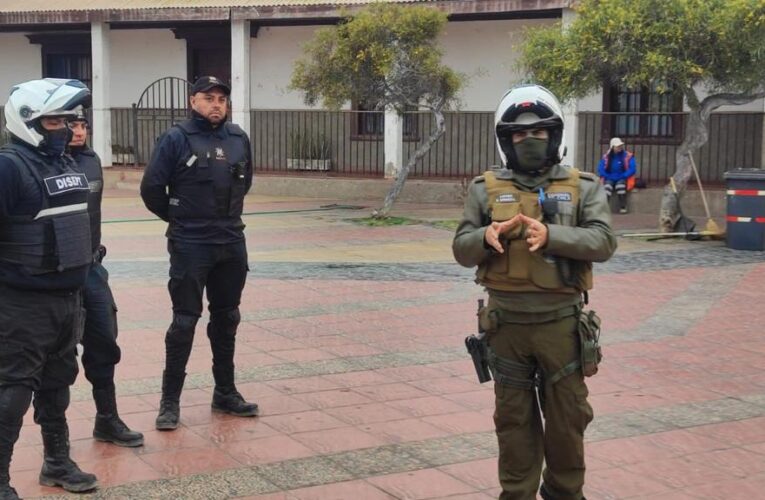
x=301, y=473
x=378, y=461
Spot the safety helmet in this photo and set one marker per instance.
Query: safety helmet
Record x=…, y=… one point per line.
x=35, y=99
x=529, y=107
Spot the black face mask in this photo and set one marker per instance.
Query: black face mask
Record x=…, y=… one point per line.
x=55, y=141
x=531, y=154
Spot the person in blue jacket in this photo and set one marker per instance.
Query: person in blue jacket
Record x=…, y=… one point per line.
x=617, y=172
x=196, y=180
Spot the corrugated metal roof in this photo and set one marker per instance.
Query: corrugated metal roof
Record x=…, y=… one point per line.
x=90, y=5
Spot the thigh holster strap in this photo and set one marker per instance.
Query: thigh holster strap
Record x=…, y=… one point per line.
x=511, y=373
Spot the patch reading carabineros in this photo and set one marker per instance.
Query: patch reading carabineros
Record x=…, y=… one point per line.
x=559, y=196
x=506, y=198
x=65, y=183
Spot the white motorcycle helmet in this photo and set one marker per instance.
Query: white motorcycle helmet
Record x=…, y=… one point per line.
x=35, y=99
x=527, y=107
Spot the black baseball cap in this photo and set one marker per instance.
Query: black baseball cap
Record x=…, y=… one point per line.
x=205, y=83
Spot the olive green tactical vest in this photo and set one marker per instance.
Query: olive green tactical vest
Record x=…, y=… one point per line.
x=517, y=269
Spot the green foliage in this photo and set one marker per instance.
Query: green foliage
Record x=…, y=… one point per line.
x=309, y=145
x=386, y=54
x=679, y=43
x=384, y=221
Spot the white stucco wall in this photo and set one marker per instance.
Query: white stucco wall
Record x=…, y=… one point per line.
x=20, y=61
x=483, y=50
x=138, y=57
x=272, y=55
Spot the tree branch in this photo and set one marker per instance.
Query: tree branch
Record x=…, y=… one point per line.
x=712, y=102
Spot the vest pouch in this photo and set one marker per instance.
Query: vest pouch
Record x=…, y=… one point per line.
x=222, y=199
x=236, y=202
x=544, y=271
x=501, y=212
x=203, y=167
x=72, y=237
x=591, y=354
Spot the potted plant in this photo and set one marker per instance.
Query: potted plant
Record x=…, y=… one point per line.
x=309, y=151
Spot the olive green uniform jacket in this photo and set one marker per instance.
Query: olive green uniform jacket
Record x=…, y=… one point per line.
x=591, y=240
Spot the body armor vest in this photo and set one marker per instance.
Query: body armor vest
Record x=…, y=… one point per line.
x=89, y=164
x=211, y=184
x=518, y=270
x=57, y=238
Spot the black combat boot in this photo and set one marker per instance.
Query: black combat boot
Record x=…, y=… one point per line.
x=109, y=426
x=231, y=402
x=6, y=492
x=226, y=399
x=169, y=406
x=14, y=402
x=547, y=496
x=58, y=469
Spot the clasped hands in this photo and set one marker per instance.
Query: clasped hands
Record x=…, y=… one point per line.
x=536, y=232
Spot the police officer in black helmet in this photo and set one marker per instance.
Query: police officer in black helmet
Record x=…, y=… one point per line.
x=196, y=180
x=45, y=254
x=99, y=341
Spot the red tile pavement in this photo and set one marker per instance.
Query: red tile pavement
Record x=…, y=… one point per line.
x=428, y=483
x=718, y=352
x=268, y=449
x=350, y=489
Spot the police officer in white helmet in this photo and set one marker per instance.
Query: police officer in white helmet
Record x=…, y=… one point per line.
x=45, y=255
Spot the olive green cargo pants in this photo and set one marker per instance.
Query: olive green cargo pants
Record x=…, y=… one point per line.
x=523, y=443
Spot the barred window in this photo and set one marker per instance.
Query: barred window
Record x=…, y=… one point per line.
x=644, y=115
x=369, y=123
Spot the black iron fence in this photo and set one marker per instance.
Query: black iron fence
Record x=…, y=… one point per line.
x=351, y=143
x=325, y=142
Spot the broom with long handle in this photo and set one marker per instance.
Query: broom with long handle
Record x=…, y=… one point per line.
x=711, y=228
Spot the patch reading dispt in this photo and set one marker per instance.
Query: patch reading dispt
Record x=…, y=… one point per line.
x=560, y=196
x=65, y=183
x=506, y=198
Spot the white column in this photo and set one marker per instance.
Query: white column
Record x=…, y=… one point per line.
x=102, y=118
x=570, y=113
x=240, y=73
x=394, y=143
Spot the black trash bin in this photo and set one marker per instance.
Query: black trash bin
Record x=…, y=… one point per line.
x=745, y=213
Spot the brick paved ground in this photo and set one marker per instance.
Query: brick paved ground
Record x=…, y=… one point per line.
x=351, y=342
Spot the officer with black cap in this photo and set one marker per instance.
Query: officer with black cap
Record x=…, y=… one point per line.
x=196, y=180
x=45, y=254
x=99, y=341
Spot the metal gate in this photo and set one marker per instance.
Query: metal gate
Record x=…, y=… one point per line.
x=162, y=104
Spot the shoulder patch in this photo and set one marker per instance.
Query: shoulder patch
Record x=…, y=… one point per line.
x=479, y=178
x=588, y=176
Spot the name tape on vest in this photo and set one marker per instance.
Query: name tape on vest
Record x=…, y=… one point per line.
x=507, y=198
x=560, y=196
x=65, y=183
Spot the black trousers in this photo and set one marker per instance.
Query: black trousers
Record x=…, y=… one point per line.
x=39, y=331
x=99, y=341
x=220, y=271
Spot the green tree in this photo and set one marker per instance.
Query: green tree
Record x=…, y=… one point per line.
x=384, y=54
x=690, y=46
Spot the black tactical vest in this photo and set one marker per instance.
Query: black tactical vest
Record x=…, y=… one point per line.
x=57, y=238
x=89, y=164
x=211, y=183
